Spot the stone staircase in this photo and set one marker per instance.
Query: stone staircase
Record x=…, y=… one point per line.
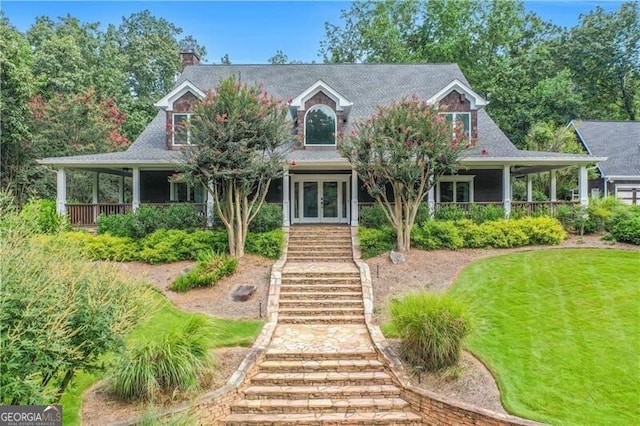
x=321, y=367
x=319, y=244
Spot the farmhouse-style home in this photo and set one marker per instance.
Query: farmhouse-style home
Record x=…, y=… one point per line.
x=619, y=141
x=319, y=185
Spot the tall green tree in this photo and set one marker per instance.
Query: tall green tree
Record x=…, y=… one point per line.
x=16, y=88
x=236, y=132
x=406, y=146
x=603, y=53
x=503, y=51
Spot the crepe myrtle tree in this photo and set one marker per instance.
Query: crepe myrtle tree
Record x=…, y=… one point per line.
x=405, y=147
x=236, y=133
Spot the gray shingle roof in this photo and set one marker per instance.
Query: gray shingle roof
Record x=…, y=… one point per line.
x=617, y=140
x=365, y=85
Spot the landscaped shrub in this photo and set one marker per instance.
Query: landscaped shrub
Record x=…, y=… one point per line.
x=210, y=269
x=267, y=244
x=164, y=246
x=118, y=225
x=434, y=234
x=576, y=219
x=542, y=230
x=373, y=217
x=624, y=225
x=505, y=234
x=108, y=247
x=41, y=217
x=450, y=212
x=148, y=219
x=375, y=241
x=431, y=328
x=269, y=218
x=480, y=213
x=174, y=362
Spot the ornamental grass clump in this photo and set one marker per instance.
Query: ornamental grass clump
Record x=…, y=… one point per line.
x=431, y=328
x=174, y=362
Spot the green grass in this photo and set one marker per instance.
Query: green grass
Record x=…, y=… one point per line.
x=560, y=329
x=165, y=319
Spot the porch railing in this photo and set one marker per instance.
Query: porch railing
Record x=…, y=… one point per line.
x=518, y=208
x=87, y=214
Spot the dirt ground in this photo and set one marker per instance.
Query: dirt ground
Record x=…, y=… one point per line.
x=470, y=381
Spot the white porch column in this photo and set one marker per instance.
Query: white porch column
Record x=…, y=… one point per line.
x=552, y=187
x=121, y=190
x=506, y=190
x=583, y=180
x=135, y=202
x=286, y=221
x=431, y=201
x=210, y=206
x=61, y=191
x=354, y=198
x=529, y=188
x=96, y=187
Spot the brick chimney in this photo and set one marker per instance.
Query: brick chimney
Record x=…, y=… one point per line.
x=189, y=57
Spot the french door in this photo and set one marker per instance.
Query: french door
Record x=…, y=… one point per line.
x=320, y=198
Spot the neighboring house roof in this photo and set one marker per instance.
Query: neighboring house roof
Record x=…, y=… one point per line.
x=363, y=85
x=617, y=140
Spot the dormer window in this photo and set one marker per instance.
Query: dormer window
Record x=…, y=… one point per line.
x=181, y=134
x=320, y=126
x=459, y=120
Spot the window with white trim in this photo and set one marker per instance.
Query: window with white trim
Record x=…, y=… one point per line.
x=320, y=126
x=182, y=192
x=460, y=120
x=181, y=134
x=455, y=189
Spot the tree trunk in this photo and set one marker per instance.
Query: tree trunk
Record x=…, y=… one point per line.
x=65, y=383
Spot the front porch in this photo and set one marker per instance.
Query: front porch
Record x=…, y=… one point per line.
x=317, y=196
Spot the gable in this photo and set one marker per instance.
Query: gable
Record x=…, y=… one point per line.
x=186, y=87
x=457, y=87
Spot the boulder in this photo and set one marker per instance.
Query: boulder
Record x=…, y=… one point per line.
x=397, y=257
x=242, y=293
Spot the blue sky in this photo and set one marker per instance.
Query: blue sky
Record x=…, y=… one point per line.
x=250, y=32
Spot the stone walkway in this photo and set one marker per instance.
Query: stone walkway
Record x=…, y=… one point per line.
x=321, y=366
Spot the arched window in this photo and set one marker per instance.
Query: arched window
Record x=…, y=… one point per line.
x=320, y=126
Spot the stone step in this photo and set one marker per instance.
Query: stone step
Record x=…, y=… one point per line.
x=322, y=378
x=336, y=319
x=320, y=247
x=316, y=419
x=321, y=356
x=315, y=274
x=301, y=303
x=314, y=288
x=321, y=392
x=321, y=232
x=343, y=240
x=293, y=406
x=355, y=279
x=319, y=295
x=321, y=311
x=319, y=258
x=337, y=365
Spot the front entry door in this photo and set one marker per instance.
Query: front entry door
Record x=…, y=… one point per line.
x=323, y=200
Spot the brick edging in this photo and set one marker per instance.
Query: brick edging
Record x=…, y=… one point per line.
x=431, y=406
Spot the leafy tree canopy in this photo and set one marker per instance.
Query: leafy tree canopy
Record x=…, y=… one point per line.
x=236, y=133
x=399, y=153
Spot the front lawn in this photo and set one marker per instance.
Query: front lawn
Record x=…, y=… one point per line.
x=165, y=319
x=560, y=331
